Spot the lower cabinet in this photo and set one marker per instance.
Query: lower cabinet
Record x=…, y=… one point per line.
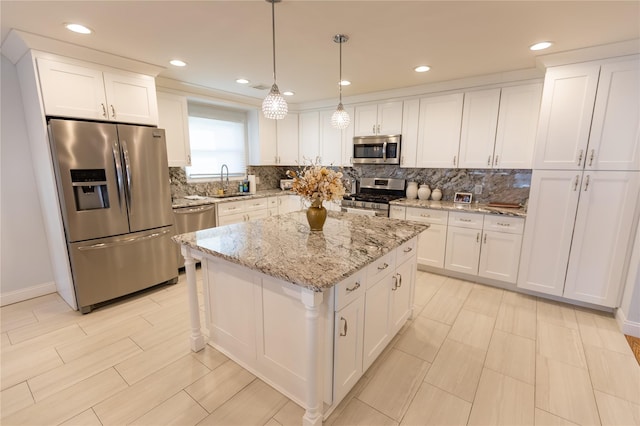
x=348, y=338
x=242, y=211
x=463, y=250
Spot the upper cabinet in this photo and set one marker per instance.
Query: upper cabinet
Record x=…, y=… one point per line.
x=173, y=117
x=378, y=119
x=590, y=117
x=409, y=142
x=287, y=135
x=77, y=90
x=439, y=125
x=331, y=140
x=309, y=137
x=277, y=141
x=499, y=127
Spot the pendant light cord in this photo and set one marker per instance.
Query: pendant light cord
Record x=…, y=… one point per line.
x=340, y=82
x=273, y=32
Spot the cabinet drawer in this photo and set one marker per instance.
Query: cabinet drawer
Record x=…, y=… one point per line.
x=406, y=251
x=231, y=207
x=381, y=268
x=466, y=220
x=511, y=225
x=396, y=212
x=272, y=202
x=350, y=289
x=439, y=217
x=257, y=204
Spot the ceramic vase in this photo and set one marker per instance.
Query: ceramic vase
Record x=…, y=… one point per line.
x=412, y=190
x=316, y=215
x=436, y=195
x=424, y=192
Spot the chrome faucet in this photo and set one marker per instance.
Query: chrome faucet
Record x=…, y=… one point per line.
x=224, y=187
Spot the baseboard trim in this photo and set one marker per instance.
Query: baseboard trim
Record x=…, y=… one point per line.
x=630, y=328
x=27, y=293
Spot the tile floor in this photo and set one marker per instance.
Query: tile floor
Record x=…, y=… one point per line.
x=472, y=355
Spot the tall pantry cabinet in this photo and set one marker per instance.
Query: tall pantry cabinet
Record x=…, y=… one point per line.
x=585, y=184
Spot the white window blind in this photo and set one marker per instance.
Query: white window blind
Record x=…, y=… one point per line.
x=217, y=136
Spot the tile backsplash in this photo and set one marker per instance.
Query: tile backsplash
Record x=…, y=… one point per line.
x=509, y=186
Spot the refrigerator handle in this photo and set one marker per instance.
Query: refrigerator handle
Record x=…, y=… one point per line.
x=127, y=241
x=127, y=171
x=116, y=165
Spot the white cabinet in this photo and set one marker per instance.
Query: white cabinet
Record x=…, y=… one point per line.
x=173, y=117
x=230, y=212
x=309, y=137
x=432, y=241
x=517, y=126
x=397, y=212
x=590, y=117
x=79, y=90
x=378, y=119
x=581, y=220
x=500, y=251
x=410, y=119
x=499, y=127
x=331, y=140
x=272, y=205
x=348, y=338
x=278, y=140
x=479, y=122
x=289, y=203
x=401, y=293
x=439, y=131
x=463, y=250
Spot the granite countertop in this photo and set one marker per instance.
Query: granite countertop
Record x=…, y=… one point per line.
x=450, y=205
x=196, y=200
x=283, y=246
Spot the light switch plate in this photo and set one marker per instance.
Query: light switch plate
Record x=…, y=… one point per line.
x=477, y=189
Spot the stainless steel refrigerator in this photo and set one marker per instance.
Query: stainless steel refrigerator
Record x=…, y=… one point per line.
x=113, y=185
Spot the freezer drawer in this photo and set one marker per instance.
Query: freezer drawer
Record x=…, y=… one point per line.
x=190, y=219
x=107, y=268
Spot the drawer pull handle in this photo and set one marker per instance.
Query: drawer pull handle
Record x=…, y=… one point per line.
x=485, y=238
x=465, y=220
x=399, y=280
x=593, y=151
x=354, y=288
x=395, y=283
x=503, y=224
x=408, y=249
x=425, y=215
x=478, y=237
x=344, y=332
x=384, y=266
x=580, y=157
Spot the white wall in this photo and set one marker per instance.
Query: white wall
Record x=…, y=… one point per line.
x=26, y=269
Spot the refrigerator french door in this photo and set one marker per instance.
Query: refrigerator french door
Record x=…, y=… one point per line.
x=113, y=183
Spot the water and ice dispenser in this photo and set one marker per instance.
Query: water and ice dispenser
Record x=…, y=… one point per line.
x=90, y=189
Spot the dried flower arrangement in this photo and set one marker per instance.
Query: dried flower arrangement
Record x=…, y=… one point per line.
x=317, y=183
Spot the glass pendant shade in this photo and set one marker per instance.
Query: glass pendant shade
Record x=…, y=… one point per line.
x=340, y=118
x=274, y=105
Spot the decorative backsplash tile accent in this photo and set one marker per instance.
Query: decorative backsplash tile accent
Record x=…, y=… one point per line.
x=509, y=186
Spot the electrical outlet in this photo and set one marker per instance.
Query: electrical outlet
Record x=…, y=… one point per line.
x=477, y=189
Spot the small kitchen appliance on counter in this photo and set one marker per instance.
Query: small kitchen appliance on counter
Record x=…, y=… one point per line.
x=374, y=196
x=286, y=184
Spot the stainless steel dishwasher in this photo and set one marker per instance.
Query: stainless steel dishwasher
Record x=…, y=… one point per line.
x=190, y=219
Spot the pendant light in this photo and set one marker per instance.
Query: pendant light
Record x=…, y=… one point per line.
x=340, y=118
x=274, y=105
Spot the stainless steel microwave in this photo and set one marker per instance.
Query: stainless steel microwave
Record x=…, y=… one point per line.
x=376, y=149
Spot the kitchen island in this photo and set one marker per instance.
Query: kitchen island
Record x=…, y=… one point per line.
x=289, y=305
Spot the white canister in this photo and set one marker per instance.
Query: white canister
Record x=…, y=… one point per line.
x=252, y=183
x=436, y=195
x=424, y=192
x=412, y=190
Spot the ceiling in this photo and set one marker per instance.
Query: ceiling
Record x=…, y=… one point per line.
x=224, y=40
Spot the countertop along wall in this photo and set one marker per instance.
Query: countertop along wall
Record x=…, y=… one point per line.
x=26, y=269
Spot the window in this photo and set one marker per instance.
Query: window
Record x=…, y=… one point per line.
x=217, y=136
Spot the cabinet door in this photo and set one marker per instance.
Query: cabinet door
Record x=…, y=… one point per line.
x=390, y=118
x=410, y=118
x=366, y=120
x=258, y=214
x=479, y=121
x=439, y=131
x=499, y=256
x=602, y=237
x=309, y=132
x=131, y=98
x=287, y=135
x=546, y=242
x=565, y=117
x=376, y=320
x=330, y=141
x=397, y=212
x=517, y=126
x=267, y=137
x=348, y=341
x=347, y=139
x=613, y=144
x=463, y=250
x=173, y=117
x=231, y=219
x=289, y=203
x=431, y=246
x=401, y=291
x=72, y=90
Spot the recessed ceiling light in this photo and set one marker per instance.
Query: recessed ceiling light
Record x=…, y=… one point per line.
x=77, y=28
x=288, y=93
x=345, y=83
x=541, y=45
x=422, y=68
x=242, y=81
x=178, y=63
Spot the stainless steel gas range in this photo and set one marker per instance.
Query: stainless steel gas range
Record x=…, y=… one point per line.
x=373, y=196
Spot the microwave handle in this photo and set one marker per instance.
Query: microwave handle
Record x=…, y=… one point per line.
x=384, y=150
